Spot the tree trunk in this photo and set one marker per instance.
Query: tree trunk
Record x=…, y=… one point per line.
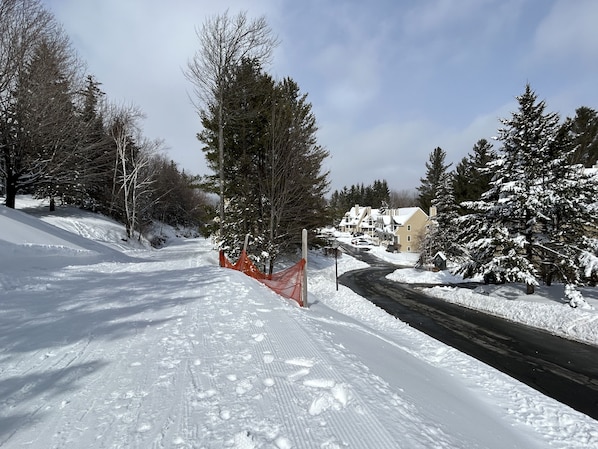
x=52, y=204
x=11, y=191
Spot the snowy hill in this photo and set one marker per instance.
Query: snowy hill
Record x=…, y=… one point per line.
x=104, y=345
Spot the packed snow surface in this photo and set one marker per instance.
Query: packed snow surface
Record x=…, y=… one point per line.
x=109, y=344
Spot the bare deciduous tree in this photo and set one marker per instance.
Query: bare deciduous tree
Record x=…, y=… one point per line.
x=404, y=198
x=225, y=41
x=134, y=153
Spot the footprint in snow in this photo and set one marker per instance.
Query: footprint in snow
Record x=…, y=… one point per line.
x=336, y=398
x=300, y=361
x=319, y=383
x=243, y=387
x=298, y=374
x=144, y=428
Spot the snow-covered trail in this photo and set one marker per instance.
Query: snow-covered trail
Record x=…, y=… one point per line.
x=170, y=351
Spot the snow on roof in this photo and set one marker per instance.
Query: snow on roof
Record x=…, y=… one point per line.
x=357, y=214
x=404, y=214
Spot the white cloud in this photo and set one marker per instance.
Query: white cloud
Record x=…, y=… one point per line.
x=398, y=152
x=389, y=81
x=567, y=33
x=138, y=49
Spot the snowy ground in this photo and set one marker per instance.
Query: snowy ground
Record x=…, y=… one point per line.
x=106, y=345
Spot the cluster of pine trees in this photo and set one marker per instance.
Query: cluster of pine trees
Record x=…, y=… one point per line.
x=259, y=137
x=61, y=139
x=376, y=195
x=526, y=213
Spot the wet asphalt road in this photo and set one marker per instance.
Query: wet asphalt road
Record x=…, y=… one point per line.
x=562, y=369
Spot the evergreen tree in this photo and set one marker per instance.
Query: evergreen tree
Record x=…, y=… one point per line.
x=97, y=152
x=585, y=134
x=47, y=118
x=23, y=25
x=293, y=184
x=375, y=195
x=505, y=231
x=568, y=195
x=436, y=169
x=443, y=226
x=273, y=182
x=472, y=178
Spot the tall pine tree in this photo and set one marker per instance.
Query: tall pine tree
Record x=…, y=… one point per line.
x=273, y=182
x=443, y=226
x=504, y=232
x=436, y=169
x=584, y=129
x=472, y=178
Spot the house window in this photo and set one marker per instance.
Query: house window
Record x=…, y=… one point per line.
x=408, y=238
x=408, y=249
x=409, y=227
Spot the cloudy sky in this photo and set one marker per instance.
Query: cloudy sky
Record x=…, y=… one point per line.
x=389, y=80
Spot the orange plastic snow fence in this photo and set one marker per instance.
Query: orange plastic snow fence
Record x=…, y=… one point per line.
x=286, y=283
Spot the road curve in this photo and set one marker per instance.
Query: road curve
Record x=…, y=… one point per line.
x=562, y=369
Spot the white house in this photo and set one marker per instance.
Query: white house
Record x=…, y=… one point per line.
x=402, y=227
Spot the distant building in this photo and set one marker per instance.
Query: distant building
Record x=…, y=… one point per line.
x=402, y=227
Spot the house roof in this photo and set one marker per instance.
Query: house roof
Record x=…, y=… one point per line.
x=356, y=215
x=404, y=214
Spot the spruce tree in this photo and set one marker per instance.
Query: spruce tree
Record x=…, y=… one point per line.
x=48, y=119
x=97, y=154
x=584, y=129
x=273, y=182
x=472, y=177
x=568, y=196
x=443, y=226
x=436, y=169
x=504, y=231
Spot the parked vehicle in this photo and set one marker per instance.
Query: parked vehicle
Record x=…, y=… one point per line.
x=392, y=248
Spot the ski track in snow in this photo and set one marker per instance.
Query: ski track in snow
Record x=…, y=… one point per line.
x=186, y=380
x=149, y=354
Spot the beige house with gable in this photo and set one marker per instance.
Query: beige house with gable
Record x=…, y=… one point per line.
x=402, y=227
x=406, y=225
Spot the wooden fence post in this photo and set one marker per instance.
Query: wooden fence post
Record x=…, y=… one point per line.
x=304, y=300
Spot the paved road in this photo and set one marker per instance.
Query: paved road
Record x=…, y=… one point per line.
x=562, y=369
